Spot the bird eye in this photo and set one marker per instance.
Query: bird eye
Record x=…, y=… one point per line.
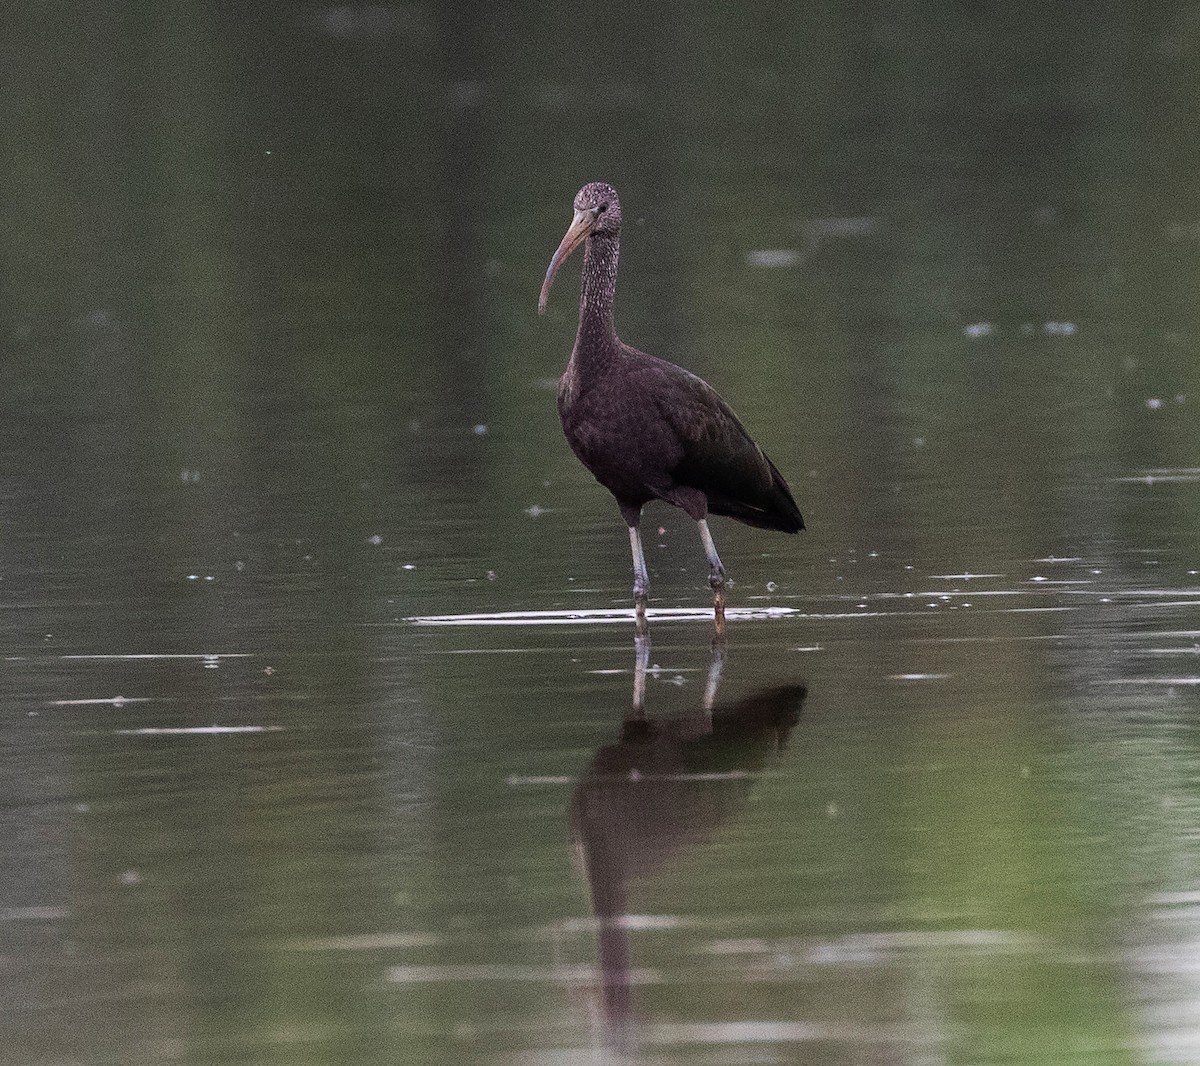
x=602, y=208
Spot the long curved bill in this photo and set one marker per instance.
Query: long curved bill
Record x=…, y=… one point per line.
x=581, y=225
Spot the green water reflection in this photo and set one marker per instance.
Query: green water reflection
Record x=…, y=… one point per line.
x=272, y=383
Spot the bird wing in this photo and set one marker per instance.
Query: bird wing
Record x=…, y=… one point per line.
x=718, y=455
x=711, y=436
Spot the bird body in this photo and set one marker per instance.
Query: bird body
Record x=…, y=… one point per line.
x=646, y=428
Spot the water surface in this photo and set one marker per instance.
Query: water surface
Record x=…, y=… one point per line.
x=325, y=733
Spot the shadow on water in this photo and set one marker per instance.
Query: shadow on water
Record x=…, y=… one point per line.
x=665, y=786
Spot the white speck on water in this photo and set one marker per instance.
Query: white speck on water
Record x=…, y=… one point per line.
x=831, y=810
x=773, y=257
x=1153, y=403
x=1059, y=329
x=918, y=677
x=535, y=510
x=239, y=566
x=771, y=586
x=1039, y=578
x=491, y=576
x=918, y=442
x=193, y=577
x=1179, y=397
x=131, y=877
x=408, y=566
x=480, y=430
x=978, y=329
x=189, y=477
x=375, y=539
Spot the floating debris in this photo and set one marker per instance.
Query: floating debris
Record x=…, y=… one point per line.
x=979, y=329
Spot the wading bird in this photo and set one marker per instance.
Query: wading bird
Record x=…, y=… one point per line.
x=646, y=428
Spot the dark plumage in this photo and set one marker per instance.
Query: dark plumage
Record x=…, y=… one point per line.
x=646, y=428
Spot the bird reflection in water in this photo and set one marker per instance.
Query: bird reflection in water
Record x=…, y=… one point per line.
x=665, y=786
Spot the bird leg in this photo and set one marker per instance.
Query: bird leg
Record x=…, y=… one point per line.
x=716, y=576
x=641, y=579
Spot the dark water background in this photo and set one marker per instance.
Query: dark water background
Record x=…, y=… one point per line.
x=272, y=384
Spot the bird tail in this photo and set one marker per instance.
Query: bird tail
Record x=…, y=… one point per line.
x=774, y=509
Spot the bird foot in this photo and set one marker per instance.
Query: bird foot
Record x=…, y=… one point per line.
x=719, y=612
x=639, y=612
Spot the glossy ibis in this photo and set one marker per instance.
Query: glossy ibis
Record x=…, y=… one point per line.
x=646, y=428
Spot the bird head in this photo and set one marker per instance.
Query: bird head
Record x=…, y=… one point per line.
x=597, y=212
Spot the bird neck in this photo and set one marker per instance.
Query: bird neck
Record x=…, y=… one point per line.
x=596, y=329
